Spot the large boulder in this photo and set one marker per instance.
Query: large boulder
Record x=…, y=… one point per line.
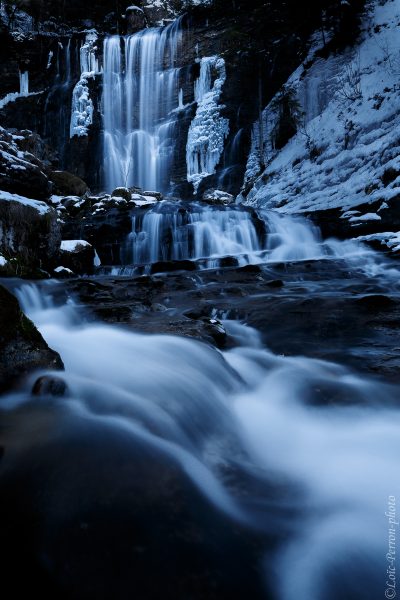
x=29, y=232
x=67, y=184
x=22, y=348
x=78, y=256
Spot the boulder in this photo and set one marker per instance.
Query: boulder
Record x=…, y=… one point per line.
x=77, y=256
x=67, y=184
x=22, y=348
x=29, y=233
x=218, y=197
x=135, y=19
x=122, y=192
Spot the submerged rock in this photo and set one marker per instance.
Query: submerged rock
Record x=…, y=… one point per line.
x=22, y=348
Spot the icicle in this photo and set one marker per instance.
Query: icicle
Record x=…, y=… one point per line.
x=208, y=129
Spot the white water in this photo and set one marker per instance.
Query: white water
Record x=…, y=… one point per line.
x=335, y=464
x=174, y=231
x=140, y=94
x=195, y=231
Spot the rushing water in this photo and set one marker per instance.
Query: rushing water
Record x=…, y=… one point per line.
x=140, y=94
x=318, y=474
x=300, y=452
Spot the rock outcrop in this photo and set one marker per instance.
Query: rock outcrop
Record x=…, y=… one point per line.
x=29, y=233
x=22, y=348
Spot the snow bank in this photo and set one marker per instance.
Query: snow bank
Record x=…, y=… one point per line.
x=347, y=149
x=208, y=130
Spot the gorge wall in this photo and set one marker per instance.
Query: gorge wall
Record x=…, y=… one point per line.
x=259, y=44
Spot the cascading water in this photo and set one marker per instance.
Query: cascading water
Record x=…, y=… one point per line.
x=140, y=94
x=198, y=232
x=175, y=231
x=315, y=474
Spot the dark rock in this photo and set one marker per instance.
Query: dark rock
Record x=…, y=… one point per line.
x=20, y=172
x=228, y=261
x=173, y=265
x=122, y=192
x=29, y=235
x=77, y=255
x=135, y=19
x=22, y=348
x=49, y=386
x=87, y=508
x=275, y=283
x=251, y=269
x=67, y=184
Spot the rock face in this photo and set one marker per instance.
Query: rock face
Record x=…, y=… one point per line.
x=29, y=233
x=22, y=348
x=135, y=19
x=21, y=172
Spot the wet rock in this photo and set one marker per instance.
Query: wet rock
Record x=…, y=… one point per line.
x=29, y=233
x=111, y=510
x=275, y=283
x=22, y=348
x=172, y=265
x=49, y=386
x=67, y=184
x=228, y=261
x=78, y=256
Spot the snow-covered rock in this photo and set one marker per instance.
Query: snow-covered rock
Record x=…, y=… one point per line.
x=209, y=129
x=74, y=245
x=347, y=148
x=77, y=255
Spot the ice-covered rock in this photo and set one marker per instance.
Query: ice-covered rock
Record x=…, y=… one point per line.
x=209, y=129
x=212, y=196
x=82, y=104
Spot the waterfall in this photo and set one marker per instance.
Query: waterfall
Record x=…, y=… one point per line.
x=140, y=94
x=314, y=472
x=175, y=231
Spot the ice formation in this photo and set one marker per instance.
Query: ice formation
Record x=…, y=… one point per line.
x=23, y=90
x=82, y=104
x=208, y=130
